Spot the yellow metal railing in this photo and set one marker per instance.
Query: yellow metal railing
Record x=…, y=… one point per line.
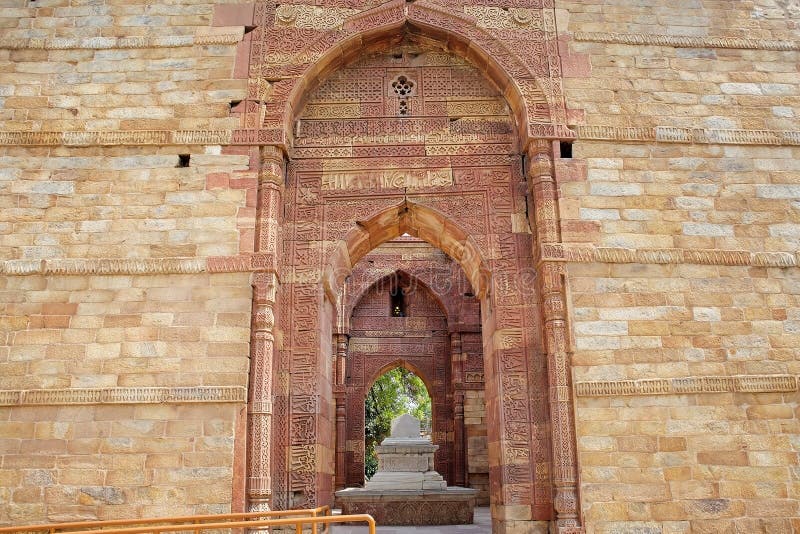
x=297, y=522
x=196, y=521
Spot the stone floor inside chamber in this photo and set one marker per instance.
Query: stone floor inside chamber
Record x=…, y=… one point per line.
x=482, y=525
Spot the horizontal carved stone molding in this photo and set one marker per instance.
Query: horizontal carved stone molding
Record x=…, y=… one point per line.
x=661, y=134
x=104, y=266
x=686, y=41
x=105, y=43
x=670, y=134
x=688, y=385
x=131, y=395
x=109, y=266
x=592, y=254
x=260, y=262
x=120, y=137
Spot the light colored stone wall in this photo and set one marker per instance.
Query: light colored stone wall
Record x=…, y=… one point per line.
x=703, y=84
x=115, y=65
x=706, y=196
x=66, y=463
x=120, y=66
x=124, y=203
x=761, y=19
x=685, y=360
x=135, y=337
x=123, y=385
x=124, y=331
x=699, y=462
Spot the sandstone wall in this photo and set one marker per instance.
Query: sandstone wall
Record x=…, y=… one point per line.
x=133, y=388
x=123, y=377
x=62, y=463
x=680, y=223
x=686, y=357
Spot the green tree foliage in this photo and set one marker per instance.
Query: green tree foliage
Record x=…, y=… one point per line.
x=394, y=393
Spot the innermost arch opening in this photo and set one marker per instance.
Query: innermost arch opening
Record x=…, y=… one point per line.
x=394, y=393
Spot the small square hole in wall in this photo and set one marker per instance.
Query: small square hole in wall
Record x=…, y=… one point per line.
x=565, y=150
x=183, y=160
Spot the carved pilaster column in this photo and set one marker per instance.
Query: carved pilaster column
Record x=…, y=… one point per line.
x=269, y=207
x=543, y=191
x=341, y=409
x=341, y=437
x=341, y=358
x=459, y=478
x=259, y=483
x=457, y=367
x=262, y=346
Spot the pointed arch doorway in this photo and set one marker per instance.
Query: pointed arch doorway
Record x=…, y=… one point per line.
x=421, y=339
x=368, y=163
x=447, y=176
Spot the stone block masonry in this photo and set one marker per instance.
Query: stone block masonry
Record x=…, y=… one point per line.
x=685, y=359
x=133, y=392
x=186, y=186
x=81, y=462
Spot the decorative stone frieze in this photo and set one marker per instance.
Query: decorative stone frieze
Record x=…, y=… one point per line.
x=688, y=385
x=686, y=41
x=129, y=395
x=671, y=134
x=311, y=17
x=111, y=43
x=662, y=134
x=109, y=138
x=558, y=252
x=591, y=254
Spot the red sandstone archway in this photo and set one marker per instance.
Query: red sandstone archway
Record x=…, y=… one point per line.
x=372, y=29
x=505, y=389
x=418, y=341
x=477, y=214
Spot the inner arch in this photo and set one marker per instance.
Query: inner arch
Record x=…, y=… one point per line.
x=416, y=220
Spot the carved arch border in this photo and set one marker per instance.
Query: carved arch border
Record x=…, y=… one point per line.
x=415, y=219
x=277, y=82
